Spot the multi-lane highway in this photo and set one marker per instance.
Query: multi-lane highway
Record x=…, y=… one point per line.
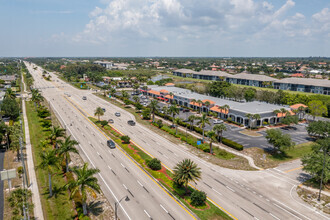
x=267, y=194
x=119, y=176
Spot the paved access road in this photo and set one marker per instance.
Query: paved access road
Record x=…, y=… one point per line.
x=245, y=195
x=119, y=175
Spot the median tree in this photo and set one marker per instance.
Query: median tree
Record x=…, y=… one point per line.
x=186, y=171
x=99, y=112
x=281, y=142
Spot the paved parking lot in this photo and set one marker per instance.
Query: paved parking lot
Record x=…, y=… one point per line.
x=298, y=132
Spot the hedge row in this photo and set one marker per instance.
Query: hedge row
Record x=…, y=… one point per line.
x=232, y=144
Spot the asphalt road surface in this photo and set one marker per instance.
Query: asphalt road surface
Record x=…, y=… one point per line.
x=119, y=175
x=267, y=194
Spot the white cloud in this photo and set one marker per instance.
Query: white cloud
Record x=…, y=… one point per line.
x=322, y=16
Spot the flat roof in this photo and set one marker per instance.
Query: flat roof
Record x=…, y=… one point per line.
x=245, y=107
x=305, y=81
x=204, y=72
x=248, y=76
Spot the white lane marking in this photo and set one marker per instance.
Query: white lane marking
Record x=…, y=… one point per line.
x=267, y=200
x=286, y=211
x=140, y=183
x=256, y=218
x=125, y=186
x=122, y=165
x=166, y=156
x=274, y=216
x=254, y=192
x=109, y=167
x=147, y=213
x=294, y=210
x=176, y=154
x=260, y=196
x=163, y=208
x=97, y=153
x=216, y=191
x=110, y=152
x=230, y=188
x=278, y=170
x=106, y=184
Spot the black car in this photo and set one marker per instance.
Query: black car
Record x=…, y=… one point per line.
x=103, y=109
x=186, y=110
x=111, y=121
x=131, y=122
x=111, y=144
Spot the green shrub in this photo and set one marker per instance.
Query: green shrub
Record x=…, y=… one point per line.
x=232, y=144
x=104, y=123
x=20, y=171
x=160, y=123
x=198, y=198
x=206, y=150
x=125, y=139
x=154, y=164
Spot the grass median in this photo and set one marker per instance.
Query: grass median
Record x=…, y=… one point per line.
x=164, y=176
x=59, y=206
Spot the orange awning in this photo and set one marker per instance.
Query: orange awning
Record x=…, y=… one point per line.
x=279, y=115
x=296, y=106
x=218, y=109
x=207, y=100
x=195, y=104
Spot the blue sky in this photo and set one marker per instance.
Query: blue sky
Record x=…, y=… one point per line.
x=165, y=28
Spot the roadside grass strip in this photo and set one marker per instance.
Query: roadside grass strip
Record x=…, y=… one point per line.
x=164, y=176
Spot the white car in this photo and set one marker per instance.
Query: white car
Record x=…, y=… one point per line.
x=217, y=121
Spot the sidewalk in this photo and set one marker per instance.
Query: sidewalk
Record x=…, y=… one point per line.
x=38, y=214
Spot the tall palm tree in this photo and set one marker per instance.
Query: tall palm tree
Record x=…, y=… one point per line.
x=284, y=112
x=219, y=129
x=165, y=110
x=276, y=112
x=49, y=160
x=172, y=97
x=301, y=111
x=112, y=92
x=136, y=99
x=193, y=101
x=186, y=171
x=99, y=112
x=124, y=94
x=250, y=117
x=256, y=117
x=10, y=94
x=176, y=122
x=207, y=104
x=85, y=182
x=55, y=133
x=203, y=120
x=191, y=119
x=36, y=96
x=67, y=147
x=136, y=87
x=200, y=104
x=212, y=135
x=153, y=108
x=173, y=110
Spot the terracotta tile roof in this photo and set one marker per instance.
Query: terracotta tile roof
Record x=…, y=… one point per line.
x=164, y=91
x=217, y=109
x=169, y=84
x=205, y=100
x=279, y=115
x=169, y=96
x=195, y=104
x=154, y=92
x=296, y=106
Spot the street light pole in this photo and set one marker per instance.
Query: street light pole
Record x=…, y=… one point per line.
x=117, y=203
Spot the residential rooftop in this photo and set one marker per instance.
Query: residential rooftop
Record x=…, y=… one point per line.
x=305, y=81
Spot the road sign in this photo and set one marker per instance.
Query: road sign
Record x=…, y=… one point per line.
x=199, y=142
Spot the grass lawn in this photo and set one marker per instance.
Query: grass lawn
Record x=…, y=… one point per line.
x=294, y=153
x=59, y=206
x=164, y=176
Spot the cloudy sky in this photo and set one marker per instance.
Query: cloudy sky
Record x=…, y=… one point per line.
x=165, y=28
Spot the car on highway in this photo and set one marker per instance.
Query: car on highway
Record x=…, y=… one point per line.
x=84, y=98
x=217, y=121
x=111, y=121
x=111, y=144
x=117, y=114
x=131, y=122
x=103, y=109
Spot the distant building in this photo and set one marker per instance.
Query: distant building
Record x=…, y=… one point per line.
x=297, y=75
x=318, y=86
x=105, y=64
x=8, y=78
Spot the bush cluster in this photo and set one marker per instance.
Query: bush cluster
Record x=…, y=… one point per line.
x=198, y=198
x=125, y=139
x=154, y=164
x=232, y=144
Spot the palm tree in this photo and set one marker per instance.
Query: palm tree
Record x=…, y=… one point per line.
x=193, y=101
x=186, y=171
x=49, y=160
x=301, y=110
x=153, y=108
x=203, y=120
x=85, y=182
x=55, y=133
x=112, y=92
x=256, y=117
x=176, y=122
x=173, y=110
x=98, y=112
x=219, y=129
x=212, y=135
x=67, y=147
x=172, y=97
x=250, y=116
x=284, y=112
x=200, y=104
x=124, y=94
x=10, y=94
x=276, y=112
x=165, y=110
x=207, y=104
x=36, y=96
x=136, y=87
x=191, y=119
x=136, y=99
